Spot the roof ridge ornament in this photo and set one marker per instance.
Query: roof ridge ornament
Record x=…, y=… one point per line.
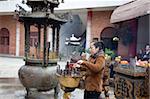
x=42, y=5
x=73, y=38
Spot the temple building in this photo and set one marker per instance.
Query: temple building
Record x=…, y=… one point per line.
x=88, y=20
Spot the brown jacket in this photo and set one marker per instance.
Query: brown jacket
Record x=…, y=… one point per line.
x=94, y=73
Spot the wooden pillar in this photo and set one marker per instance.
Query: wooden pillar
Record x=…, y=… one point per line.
x=39, y=41
x=44, y=48
x=39, y=37
x=57, y=40
x=27, y=39
x=53, y=38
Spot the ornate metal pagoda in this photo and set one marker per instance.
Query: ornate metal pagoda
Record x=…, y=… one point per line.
x=38, y=73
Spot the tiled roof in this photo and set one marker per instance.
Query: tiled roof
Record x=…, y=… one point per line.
x=131, y=10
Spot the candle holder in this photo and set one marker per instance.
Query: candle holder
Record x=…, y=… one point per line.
x=69, y=79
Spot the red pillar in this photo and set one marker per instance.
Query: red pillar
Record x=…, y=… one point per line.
x=132, y=46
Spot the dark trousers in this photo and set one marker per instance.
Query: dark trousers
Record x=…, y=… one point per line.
x=91, y=95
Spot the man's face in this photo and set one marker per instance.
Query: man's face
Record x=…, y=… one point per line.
x=147, y=48
x=93, y=50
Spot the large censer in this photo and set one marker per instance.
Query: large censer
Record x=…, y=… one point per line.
x=39, y=70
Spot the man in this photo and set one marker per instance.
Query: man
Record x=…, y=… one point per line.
x=94, y=73
x=146, y=55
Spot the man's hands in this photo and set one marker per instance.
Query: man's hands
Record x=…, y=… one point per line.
x=78, y=64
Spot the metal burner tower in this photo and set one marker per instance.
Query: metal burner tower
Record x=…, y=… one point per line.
x=37, y=73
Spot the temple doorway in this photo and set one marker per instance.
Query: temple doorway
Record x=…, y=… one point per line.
x=107, y=35
x=4, y=41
